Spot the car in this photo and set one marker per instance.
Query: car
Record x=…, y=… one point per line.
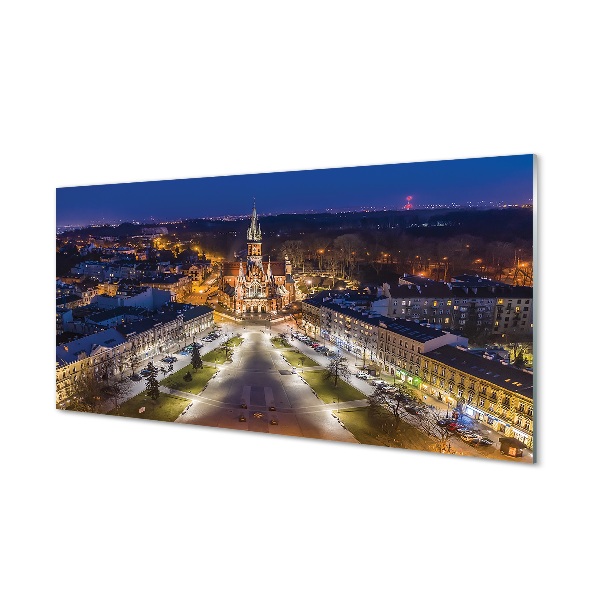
x=135, y=377
x=411, y=409
x=272, y=408
x=451, y=426
x=484, y=441
x=242, y=419
x=145, y=372
x=273, y=422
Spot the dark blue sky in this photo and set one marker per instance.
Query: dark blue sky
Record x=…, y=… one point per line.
x=507, y=179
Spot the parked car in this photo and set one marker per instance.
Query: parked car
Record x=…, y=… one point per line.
x=480, y=441
x=411, y=409
x=145, y=372
x=451, y=426
x=460, y=429
x=135, y=377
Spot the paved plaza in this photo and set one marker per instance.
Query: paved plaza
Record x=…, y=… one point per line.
x=261, y=379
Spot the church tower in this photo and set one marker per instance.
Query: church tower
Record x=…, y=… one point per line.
x=254, y=237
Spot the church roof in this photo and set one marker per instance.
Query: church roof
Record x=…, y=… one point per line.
x=233, y=268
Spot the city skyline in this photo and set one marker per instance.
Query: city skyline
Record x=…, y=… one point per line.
x=461, y=183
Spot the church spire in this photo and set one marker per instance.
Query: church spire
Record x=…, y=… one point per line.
x=254, y=232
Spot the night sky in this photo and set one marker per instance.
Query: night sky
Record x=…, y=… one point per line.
x=507, y=179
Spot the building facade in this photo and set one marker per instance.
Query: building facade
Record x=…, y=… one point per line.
x=473, y=305
x=396, y=346
x=486, y=390
x=108, y=353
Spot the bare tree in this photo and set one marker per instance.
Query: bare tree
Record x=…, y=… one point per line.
x=403, y=406
x=347, y=246
x=132, y=357
x=294, y=249
x=391, y=401
x=86, y=391
x=431, y=423
x=118, y=393
x=337, y=369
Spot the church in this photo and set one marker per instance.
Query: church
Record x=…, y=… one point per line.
x=256, y=287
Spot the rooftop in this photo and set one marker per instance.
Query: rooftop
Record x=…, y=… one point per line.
x=69, y=353
x=495, y=372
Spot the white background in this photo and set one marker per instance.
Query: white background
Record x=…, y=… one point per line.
x=120, y=91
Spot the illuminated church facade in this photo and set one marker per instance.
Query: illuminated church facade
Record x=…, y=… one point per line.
x=253, y=286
